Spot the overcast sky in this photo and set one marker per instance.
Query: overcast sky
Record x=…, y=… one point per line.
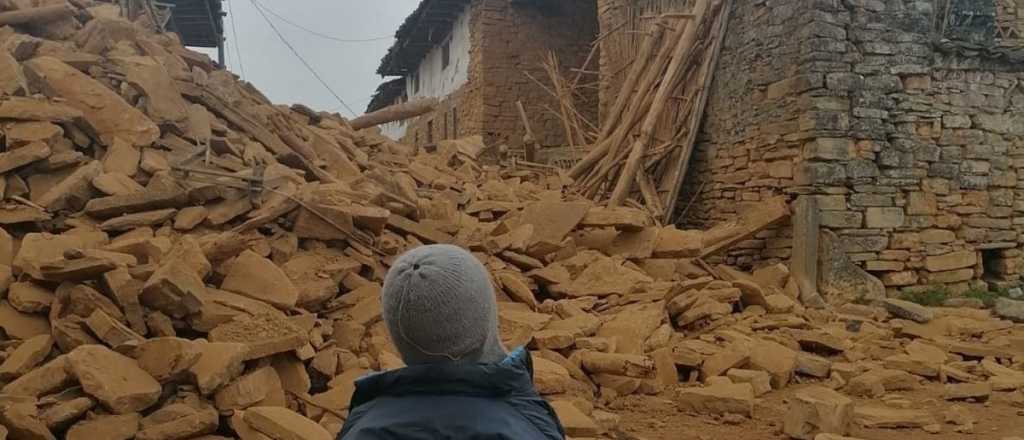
x=349, y=68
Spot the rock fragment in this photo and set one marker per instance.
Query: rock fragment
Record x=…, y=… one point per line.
x=115, y=380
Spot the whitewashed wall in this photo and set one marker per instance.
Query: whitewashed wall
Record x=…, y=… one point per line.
x=394, y=130
x=438, y=82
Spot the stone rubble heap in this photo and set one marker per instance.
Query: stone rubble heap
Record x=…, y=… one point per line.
x=181, y=259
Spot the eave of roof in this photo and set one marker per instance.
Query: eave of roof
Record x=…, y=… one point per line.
x=426, y=27
x=198, y=22
x=386, y=94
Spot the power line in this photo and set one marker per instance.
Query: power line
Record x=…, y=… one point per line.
x=238, y=41
x=299, y=56
x=319, y=34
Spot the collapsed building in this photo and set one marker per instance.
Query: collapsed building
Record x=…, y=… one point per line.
x=182, y=259
x=901, y=121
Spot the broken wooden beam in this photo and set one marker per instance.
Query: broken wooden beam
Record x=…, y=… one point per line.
x=745, y=226
x=397, y=112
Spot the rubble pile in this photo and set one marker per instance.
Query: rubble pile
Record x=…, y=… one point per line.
x=181, y=259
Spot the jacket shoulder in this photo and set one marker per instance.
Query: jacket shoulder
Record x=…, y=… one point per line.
x=440, y=417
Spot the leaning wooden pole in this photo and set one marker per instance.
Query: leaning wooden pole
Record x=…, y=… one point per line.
x=397, y=112
x=683, y=51
x=680, y=167
x=614, y=116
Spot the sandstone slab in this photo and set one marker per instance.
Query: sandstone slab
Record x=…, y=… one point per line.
x=115, y=380
x=909, y=310
x=105, y=111
x=718, y=399
x=259, y=278
x=108, y=427
x=818, y=410
x=284, y=424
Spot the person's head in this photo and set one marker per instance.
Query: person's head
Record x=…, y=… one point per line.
x=439, y=306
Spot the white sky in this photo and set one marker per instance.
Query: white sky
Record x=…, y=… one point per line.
x=349, y=68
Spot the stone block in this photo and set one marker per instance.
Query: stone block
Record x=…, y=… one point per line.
x=951, y=261
x=794, y=85
x=937, y=236
x=884, y=266
x=949, y=277
x=831, y=203
x=900, y=279
x=921, y=203
x=759, y=380
x=884, y=218
x=718, y=399
x=115, y=380
x=908, y=310
x=873, y=200
x=829, y=149
x=842, y=219
x=819, y=173
x=818, y=410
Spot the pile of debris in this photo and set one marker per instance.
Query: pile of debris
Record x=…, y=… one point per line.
x=181, y=259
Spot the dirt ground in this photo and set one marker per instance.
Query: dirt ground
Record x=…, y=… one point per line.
x=656, y=418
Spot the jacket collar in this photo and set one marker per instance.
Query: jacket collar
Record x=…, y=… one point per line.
x=512, y=376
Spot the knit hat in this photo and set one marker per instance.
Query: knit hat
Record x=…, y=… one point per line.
x=439, y=306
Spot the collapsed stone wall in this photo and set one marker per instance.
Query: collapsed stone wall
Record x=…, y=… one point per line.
x=912, y=153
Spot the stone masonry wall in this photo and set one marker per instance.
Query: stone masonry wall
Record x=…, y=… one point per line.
x=753, y=134
x=913, y=154
x=513, y=39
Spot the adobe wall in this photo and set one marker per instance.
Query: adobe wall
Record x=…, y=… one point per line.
x=913, y=153
x=508, y=41
x=459, y=114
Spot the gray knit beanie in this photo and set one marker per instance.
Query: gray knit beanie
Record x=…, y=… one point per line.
x=439, y=306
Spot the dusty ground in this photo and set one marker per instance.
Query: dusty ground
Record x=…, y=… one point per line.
x=656, y=418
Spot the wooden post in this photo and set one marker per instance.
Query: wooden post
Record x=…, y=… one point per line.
x=529, y=141
x=678, y=170
x=804, y=262
x=397, y=112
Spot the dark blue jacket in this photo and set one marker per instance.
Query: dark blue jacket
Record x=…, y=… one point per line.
x=452, y=401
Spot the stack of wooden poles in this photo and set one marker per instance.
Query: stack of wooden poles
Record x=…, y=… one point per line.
x=676, y=61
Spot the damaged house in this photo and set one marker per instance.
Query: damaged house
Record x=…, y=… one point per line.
x=481, y=56
x=900, y=123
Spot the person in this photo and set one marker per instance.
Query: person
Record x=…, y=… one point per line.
x=459, y=382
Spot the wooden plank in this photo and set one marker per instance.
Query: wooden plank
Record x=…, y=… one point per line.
x=746, y=225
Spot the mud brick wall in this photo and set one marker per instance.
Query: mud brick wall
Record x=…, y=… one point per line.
x=462, y=111
x=509, y=41
x=512, y=40
x=913, y=154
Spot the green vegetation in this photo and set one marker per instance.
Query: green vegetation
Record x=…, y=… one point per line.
x=936, y=296
x=932, y=297
x=988, y=297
